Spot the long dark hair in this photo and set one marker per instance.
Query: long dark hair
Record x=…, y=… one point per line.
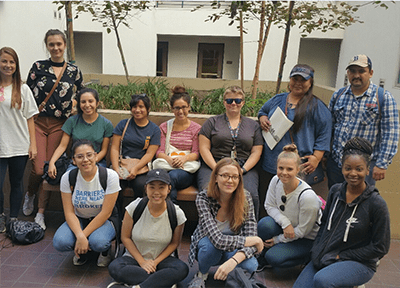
x=16, y=78
x=305, y=107
x=79, y=95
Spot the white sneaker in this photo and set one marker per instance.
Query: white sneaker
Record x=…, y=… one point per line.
x=39, y=219
x=28, y=207
x=103, y=261
x=79, y=261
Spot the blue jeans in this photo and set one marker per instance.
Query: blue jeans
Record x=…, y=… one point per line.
x=128, y=271
x=99, y=241
x=180, y=179
x=283, y=255
x=334, y=173
x=340, y=274
x=16, y=168
x=208, y=256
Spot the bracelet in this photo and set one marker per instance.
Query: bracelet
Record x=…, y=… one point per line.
x=234, y=259
x=244, y=170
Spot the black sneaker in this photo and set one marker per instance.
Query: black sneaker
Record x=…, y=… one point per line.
x=3, y=220
x=262, y=264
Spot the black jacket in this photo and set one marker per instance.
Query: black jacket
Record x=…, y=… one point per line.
x=358, y=231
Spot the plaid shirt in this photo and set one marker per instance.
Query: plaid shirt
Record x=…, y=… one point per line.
x=207, y=208
x=360, y=116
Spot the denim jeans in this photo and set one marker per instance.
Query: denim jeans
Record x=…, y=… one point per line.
x=128, y=271
x=283, y=254
x=16, y=168
x=180, y=179
x=209, y=256
x=334, y=173
x=340, y=274
x=99, y=241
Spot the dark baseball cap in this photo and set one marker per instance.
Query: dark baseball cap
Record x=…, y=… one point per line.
x=158, y=175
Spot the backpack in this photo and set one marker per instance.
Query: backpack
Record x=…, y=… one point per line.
x=24, y=232
x=239, y=277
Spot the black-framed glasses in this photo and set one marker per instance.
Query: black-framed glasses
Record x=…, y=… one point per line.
x=177, y=108
x=231, y=100
x=226, y=177
x=283, y=198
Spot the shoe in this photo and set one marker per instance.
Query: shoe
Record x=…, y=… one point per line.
x=104, y=260
x=262, y=264
x=3, y=220
x=12, y=219
x=174, y=286
x=28, y=207
x=118, y=283
x=39, y=219
x=79, y=261
x=198, y=281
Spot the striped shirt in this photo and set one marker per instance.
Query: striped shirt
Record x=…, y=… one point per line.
x=361, y=116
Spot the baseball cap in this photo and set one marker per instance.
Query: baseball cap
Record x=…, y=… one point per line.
x=304, y=72
x=158, y=175
x=360, y=60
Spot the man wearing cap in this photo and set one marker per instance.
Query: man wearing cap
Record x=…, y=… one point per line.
x=363, y=109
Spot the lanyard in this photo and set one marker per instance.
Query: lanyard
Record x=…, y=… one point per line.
x=286, y=113
x=234, y=134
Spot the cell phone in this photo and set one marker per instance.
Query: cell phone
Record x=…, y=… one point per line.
x=303, y=160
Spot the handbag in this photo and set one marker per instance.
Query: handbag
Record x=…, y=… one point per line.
x=125, y=165
x=41, y=106
x=61, y=165
x=239, y=277
x=170, y=150
x=315, y=177
x=24, y=232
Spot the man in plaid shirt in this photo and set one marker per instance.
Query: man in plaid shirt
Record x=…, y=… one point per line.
x=363, y=110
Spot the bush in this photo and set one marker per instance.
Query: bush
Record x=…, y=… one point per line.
x=117, y=97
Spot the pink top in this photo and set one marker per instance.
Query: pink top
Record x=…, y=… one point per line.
x=186, y=140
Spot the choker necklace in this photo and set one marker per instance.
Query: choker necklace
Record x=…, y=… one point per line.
x=56, y=64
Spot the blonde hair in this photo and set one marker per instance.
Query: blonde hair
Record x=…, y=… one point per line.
x=238, y=205
x=235, y=90
x=290, y=151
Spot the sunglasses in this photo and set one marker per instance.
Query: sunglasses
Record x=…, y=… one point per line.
x=282, y=207
x=230, y=100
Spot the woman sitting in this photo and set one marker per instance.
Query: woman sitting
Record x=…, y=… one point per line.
x=87, y=124
x=234, y=136
x=355, y=229
x=150, y=241
x=87, y=207
x=294, y=210
x=135, y=138
x=177, y=135
x=227, y=231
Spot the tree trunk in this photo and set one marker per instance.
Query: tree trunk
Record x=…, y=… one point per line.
x=241, y=52
x=70, y=33
x=119, y=45
x=284, y=48
x=259, y=53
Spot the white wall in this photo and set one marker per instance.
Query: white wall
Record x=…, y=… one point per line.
x=379, y=38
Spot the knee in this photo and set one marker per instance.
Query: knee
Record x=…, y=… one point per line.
x=321, y=281
x=264, y=226
x=100, y=244
x=62, y=244
x=115, y=269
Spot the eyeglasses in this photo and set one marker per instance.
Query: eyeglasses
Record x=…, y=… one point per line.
x=283, y=198
x=227, y=177
x=177, y=108
x=89, y=156
x=230, y=100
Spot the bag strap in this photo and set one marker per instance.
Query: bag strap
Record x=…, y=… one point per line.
x=41, y=106
x=103, y=176
x=298, y=199
x=122, y=138
x=381, y=92
x=170, y=124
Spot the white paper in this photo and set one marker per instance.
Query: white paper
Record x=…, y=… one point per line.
x=280, y=124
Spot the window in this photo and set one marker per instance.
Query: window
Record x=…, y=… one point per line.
x=162, y=58
x=210, y=59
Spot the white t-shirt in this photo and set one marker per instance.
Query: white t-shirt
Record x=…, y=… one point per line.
x=88, y=196
x=14, y=133
x=150, y=234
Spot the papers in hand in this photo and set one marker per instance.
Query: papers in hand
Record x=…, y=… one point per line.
x=280, y=124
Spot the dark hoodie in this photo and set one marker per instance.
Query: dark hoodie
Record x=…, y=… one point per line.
x=358, y=231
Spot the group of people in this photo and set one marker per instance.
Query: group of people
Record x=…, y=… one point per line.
x=358, y=133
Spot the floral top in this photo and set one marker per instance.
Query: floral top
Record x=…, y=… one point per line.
x=41, y=79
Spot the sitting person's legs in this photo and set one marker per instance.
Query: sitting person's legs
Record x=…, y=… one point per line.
x=180, y=179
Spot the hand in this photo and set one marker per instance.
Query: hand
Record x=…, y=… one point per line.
x=132, y=173
x=32, y=152
x=265, y=123
x=269, y=243
x=52, y=172
x=178, y=161
x=224, y=269
x=310, y=166
x=81, y=246
x=288, y=232
x=254, y=241
x=149, y=266
x=378, y=173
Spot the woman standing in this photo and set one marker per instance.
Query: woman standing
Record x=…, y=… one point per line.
x=140, y=141
x=184, y=137
x=234, y=136
x=355, y=229
x=150, y=241
x=87, y=208
x=226, y=233
x=41, y=79
x=294, y=210
x=17, y=140
x=87, y=124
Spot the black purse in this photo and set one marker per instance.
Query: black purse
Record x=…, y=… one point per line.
x=61, y=165
x=315, y=177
